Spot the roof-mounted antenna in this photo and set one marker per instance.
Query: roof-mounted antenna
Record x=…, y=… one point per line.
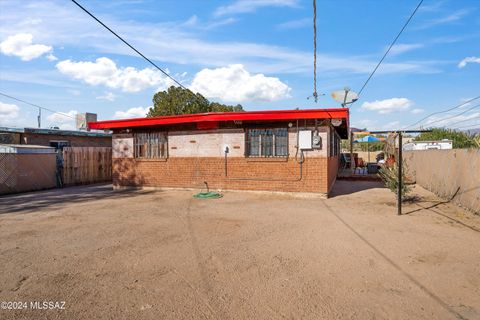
x=318, y=95
x=315, y=94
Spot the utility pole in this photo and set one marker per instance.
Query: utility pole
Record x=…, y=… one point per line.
x=352, y=160
x=400, y=182
x=39, y=117
x=399, y=161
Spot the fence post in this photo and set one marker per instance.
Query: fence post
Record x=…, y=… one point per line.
x=400, y=182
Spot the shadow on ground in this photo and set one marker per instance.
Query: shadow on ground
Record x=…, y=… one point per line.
x=48, y=199
x=344, y=187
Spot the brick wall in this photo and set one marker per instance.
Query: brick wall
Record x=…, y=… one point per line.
x=332, y=171
x=198, y=156
x=243, y=173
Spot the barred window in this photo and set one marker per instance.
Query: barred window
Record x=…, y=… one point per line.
x=150, y=145
x=267, y=142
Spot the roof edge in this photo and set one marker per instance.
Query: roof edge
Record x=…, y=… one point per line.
x=342, y=113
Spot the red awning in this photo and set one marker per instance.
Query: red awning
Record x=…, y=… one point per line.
x=338, y=113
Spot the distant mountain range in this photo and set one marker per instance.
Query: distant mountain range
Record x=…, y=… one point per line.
x=472, y=131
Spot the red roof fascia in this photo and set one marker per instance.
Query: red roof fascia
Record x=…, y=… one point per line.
x=338, y=113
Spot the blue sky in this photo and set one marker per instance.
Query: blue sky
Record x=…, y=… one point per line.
x=255, y=52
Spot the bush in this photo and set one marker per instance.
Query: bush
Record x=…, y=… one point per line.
x=389, y=175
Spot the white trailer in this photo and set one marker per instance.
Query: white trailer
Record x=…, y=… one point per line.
x=444, y=144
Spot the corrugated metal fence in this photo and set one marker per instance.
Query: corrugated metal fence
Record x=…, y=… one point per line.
x=84, y=165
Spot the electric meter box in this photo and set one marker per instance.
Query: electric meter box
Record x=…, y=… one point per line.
x=305, y=139
x=316, y=141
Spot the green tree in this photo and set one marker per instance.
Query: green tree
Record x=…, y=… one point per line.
x=460, y=139
x=177, y=100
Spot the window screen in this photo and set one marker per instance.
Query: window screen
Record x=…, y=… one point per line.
x=150, y=145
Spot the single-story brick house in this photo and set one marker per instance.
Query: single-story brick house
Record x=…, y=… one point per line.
x=287, y=150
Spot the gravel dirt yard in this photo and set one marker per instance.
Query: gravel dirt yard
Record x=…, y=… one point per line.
x=166, y=255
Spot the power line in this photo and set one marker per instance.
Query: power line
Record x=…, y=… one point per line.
x=457, y=115
x=36, y=105
x=391, y=45
x=131, y=47
x=466, y=120
x=434, y=113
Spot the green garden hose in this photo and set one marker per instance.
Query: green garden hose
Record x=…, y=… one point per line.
x=208, y=195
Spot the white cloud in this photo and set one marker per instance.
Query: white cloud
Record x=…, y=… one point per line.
x=464, y=62
x=109, y=96
x=295, y=24
x=51, y=57
x=63, y=120
x=20, y=45
x=172, y=43
x=388, y=105
x=138, y=112
x=194, y=22
x=464, y=102
x=404, y=47
x=75, y=92
x=235, y=84
x=8, y=112
x=393, y=125
x=105, y=72
x=363, y=123
x=453, y=17
x=246, y=6
x=433, y=7
x=417, y=111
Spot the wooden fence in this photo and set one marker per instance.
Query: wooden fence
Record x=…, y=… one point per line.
x=84, y=165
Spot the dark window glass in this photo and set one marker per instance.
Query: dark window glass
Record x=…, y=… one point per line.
x=267, y=142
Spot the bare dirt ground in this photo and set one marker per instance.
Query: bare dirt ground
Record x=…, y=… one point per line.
x=166, y=255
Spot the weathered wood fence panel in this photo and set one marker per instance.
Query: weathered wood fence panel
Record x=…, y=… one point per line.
x=84, y=165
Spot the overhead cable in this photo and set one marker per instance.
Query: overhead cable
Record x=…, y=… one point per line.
x=391, y=46
x=447, y=110
x=36, y=105
x=131, y=46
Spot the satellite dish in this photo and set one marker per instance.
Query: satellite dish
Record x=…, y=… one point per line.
x=345, y=96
